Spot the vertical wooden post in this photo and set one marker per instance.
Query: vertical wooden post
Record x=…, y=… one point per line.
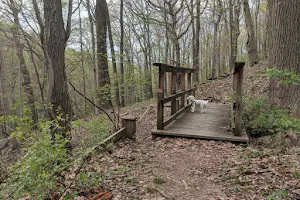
x=189, y=79
x=177, y=105
x=160, y=96
x=182, y=89
x=173, y=91
x=238, y=74
x=129, y=122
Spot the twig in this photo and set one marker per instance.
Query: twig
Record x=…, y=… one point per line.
x=124, y=114
x=112, y=121
x=164, y=194
x=144, y=113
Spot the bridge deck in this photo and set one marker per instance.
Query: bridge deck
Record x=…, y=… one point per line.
x=209, y=125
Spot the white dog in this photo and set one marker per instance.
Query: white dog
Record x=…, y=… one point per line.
x=194, y=103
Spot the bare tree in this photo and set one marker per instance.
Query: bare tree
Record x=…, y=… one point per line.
x=251, y=42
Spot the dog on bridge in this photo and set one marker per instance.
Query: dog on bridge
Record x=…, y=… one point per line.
x=197, y=103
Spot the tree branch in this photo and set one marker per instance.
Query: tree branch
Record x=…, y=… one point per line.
x=112, y=121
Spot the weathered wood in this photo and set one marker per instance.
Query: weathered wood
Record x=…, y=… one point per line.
x=160, y=97
x=173, y=91
x=169, y=98
x=120, y=134
x=168, y=68
x=177, y=105
x=210, y=125
x=189, y=81
x=173, y=117
x=182, y=89
x=239, y=68
x=129, y=122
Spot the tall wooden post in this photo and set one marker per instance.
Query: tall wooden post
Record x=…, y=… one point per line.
x=182, y=89
x=160, y=96
x=189, y=81
x=173, y=91
x=237, y=87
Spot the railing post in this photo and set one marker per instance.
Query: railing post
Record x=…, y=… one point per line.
x=189, y=81
x=173, y=91
x=182, y=89
x=237, y=104
x=129, y=122
x=160, y=96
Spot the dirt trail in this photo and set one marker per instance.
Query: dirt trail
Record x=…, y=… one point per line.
x=188, y=168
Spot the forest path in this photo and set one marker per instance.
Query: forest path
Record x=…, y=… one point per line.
x=165, y=168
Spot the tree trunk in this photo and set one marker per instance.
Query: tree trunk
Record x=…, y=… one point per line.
x=113, y=59
x=101, y=30
x=93, y=49
x=3, y=101
x=122, y=94
x=55, y=43
x=252, y=42
x=26, y=83
x=284, y=51
x=82, y=61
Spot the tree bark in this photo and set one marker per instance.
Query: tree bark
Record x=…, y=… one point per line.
x=55, y=43
x=251, y=42
x=101, y=30
x=23, y=67
x=284, y=51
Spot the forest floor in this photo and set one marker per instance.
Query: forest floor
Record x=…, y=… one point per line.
x=191, y=169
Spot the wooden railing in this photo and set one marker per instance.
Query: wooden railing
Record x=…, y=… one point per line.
x=236, y=108
x=176, y=108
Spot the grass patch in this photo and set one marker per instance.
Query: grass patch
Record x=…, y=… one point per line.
x=159, y=180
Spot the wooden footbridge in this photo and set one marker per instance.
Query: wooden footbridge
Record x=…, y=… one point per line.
x=220, y=122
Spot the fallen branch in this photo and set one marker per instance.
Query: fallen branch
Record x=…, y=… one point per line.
x=144, y=113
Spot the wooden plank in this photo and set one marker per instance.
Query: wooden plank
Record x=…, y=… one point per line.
x=210, y=125
x=182, y=89
x=169, y=98
x=173, y=117
x=120, y=134
x=173, y=91
x=169, y=68
x=200, y=136
x=160, y=97
x=239, y=68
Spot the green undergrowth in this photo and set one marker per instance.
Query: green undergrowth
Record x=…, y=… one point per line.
x=45, y=162
x=261, y=118
x=93, y=131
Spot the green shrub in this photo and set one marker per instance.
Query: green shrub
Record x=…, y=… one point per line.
x=39, y=170
x=261, y=118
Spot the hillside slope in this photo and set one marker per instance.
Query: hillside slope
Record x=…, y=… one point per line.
x=255, y=85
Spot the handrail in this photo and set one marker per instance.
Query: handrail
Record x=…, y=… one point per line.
x=168, y=68
x=174, y=96
x=168, y=121
x=176, y=108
